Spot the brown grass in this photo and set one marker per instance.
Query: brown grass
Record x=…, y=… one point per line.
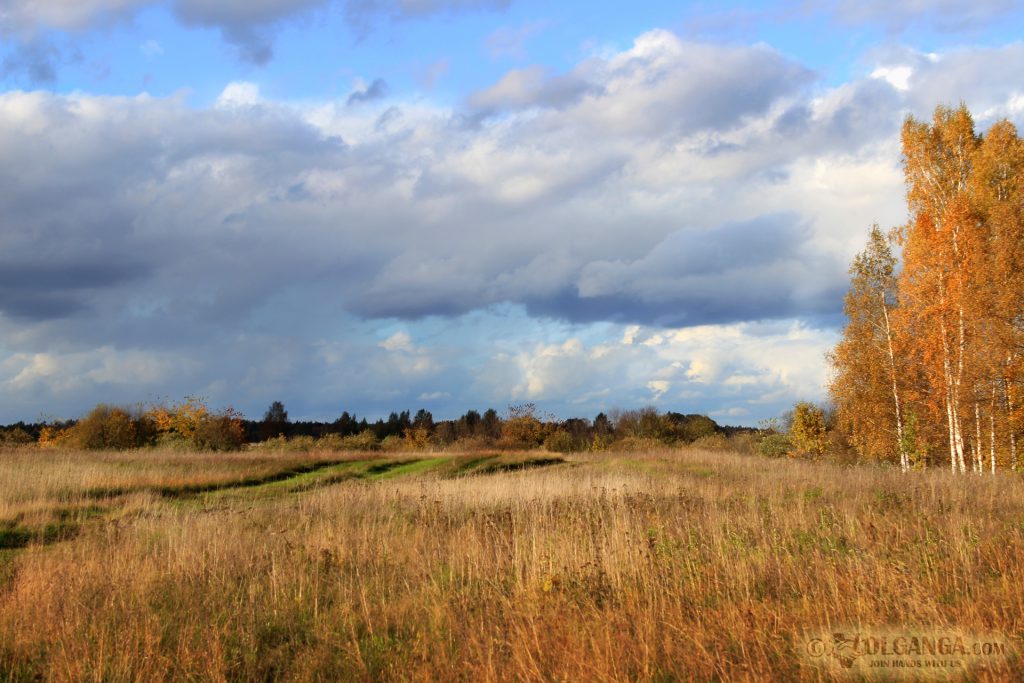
x=671, y=565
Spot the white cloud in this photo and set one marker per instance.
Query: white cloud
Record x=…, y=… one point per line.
x=896, y=76
x=238, y=94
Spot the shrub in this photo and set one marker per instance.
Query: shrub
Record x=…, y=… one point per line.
x=393, y=444
x=107, y=427
x=807, y=429
x=365, y=440
x=16, y=436
x=561, y=441
x=330, y=442
x=774, y=445
x=191, y=423
x=281, y=443
x=220, y=432
x=417, y=439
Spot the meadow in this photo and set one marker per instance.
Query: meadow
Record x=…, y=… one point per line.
x=673, y=564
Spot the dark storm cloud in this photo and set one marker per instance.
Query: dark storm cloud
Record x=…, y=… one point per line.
x=759, y=269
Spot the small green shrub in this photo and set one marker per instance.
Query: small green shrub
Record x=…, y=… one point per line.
x=774, y=445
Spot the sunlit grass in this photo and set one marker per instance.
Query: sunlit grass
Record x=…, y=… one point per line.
x=660, y=566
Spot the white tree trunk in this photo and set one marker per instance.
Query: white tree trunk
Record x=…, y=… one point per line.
x=904, y=456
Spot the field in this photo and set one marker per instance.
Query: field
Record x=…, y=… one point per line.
x=666, y=565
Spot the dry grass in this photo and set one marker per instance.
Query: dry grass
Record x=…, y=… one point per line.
x=662, y=566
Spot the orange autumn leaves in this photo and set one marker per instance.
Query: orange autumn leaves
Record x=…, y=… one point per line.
x=189, y=423
x=930, y=368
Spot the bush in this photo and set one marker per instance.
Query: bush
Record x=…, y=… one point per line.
x=191, y=422
x=282, y=444
x=15, y=436
x=107, y=427
x=330, y=442
x=220, y=432
x=365, y=440
x=393, y=444
x=561, y=441
x=774, y=445
x=807, y=430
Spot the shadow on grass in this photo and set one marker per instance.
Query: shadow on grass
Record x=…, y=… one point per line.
x=497, y=464
x=186, y=490
x=12, y=536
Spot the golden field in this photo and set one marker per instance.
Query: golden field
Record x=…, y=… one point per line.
x=664, y=565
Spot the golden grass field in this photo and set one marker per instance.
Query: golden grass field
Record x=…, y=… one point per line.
x=668, y=565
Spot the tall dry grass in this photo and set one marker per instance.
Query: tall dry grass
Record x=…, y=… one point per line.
x=663, y=566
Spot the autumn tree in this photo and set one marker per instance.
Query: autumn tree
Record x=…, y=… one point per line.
x=807, y=430
x=865, y=385
x=939, y=240
x=934, y=356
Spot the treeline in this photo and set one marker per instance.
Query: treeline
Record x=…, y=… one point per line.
x=930, y=367
x=191, y=424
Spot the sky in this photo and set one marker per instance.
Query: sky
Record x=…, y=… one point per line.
x=377, y=205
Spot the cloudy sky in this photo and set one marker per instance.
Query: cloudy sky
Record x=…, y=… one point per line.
x=369, y=205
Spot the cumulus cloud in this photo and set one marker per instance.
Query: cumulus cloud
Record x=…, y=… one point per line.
x=532, y=87
x=729, y=371
x=728, y=187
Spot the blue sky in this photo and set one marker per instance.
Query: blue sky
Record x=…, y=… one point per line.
x=370, y=205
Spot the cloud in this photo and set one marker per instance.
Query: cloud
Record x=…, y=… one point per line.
x=944, y=15
x=698, y=187
x=533, y=86
x=377, y=90
x=238, y=94
x=35, y=62
x=508, y=42
x=429, y=75
x=27, y=17
x=363, y=15
x=247, y=25
x=733, y=371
